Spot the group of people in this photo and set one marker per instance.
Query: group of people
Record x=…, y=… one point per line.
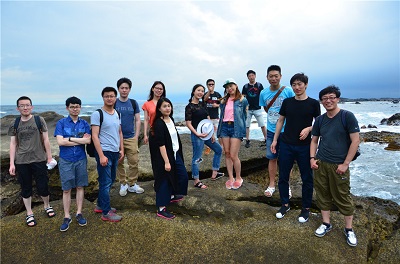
x=322, y=145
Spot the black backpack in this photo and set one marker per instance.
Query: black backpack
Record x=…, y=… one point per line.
x=343, y=119
x=90, y=149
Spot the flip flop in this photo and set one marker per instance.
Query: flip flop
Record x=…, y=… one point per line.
x=218, y=176
x=269, y=191
x=50, y=212
x=200, y=185
x=237, y=184
x=30, y=219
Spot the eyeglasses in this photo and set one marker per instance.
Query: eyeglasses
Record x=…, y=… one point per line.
x=325, y=99
x=109, y=96
x=24, y=106
x=75, y=107
x=211, y=84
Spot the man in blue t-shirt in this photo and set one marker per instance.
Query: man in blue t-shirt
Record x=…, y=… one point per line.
x=336, y=135
x=252, y=92
x=130, y=124
x=267, y=96
x=72, y=134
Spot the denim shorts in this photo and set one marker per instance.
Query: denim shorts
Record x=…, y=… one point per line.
x=270, y=138
x=73, y=174
x=228, y=130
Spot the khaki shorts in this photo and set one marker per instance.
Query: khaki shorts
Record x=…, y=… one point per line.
x=332, y=188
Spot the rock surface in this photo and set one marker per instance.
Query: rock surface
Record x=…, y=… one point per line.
x=212, y=226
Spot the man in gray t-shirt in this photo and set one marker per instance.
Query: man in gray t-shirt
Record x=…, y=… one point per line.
x=108, y=141
x=29, y=153
x=336, y=136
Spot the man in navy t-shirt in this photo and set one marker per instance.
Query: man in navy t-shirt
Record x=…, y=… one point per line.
x=130, y=124
x=252, y=92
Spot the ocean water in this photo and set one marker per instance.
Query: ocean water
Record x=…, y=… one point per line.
x=375, y=173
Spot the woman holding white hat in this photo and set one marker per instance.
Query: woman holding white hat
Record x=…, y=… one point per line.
x=202, y=132
x=232, y=130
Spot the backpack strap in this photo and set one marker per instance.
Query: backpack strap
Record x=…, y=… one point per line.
x=101, y=116
x=38, y=124
x=343, y=119
x=133, y=102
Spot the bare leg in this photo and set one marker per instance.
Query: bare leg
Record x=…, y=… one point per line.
x=228, y=159
x=46, y=201
x=80, y=194
x=272, y=170
x=326, y=216
x=349, y=221
x=247, y=133
x=67, y=203
x=234, y=153
x=28, y=205
x=264, y=131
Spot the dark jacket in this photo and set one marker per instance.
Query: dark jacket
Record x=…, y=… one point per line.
x=161, y=138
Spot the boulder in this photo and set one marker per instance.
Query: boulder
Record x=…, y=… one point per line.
x=394, y=120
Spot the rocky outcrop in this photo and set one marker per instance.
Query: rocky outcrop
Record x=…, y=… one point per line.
x=394, y=120
x=212, y=226
x=390, y=138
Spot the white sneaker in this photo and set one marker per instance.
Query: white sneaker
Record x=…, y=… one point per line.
x=290, y=193
x=123, y=190
x=135, y=188
x=351, y=238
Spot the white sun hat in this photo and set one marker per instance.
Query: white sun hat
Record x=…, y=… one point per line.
x=205, y=126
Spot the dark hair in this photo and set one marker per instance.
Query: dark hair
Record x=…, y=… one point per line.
x=299, y=77
x=274, y=68
x=124, y=80
x=73, y=100
x=24, y=98
x=328, y=90
x=159, y=114
x=151, y=95
x=209, y=80
x=194, y=89
x=108, y=89
x=250, y=71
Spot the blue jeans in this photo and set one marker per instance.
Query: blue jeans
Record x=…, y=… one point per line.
x=198, y=146
x=287, y=155
x=163, y=195
x=106, y=178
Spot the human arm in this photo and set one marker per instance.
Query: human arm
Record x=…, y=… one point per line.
x=279, y=125
x=121, y=145
x=313, y=152
x=164, y=155
x=355, y=141
x=13, y=149
x=191, y=128
x=137, y=126
x=73, y=141
x=46, y=143
x=96, y=142
x=304, y=133
x=145, y=127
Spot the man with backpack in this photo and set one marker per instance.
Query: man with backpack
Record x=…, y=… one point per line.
x=108, y=142
x=72, y=134
x=130, y=124
x=336, y=136
x=252, y=92
x=29, y=153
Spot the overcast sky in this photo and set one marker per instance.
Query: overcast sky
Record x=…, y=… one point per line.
x=51, y=50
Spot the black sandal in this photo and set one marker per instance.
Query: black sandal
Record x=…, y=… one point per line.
x=50, y=212
x=30, y=219
x=200, y=185
x=218, y=176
